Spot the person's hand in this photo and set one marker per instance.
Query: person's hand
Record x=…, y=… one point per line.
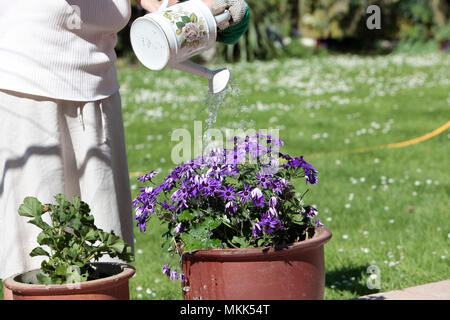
x=153, y=5
x=237, y=9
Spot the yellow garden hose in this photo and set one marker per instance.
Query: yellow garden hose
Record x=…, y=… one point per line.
x=397, y=145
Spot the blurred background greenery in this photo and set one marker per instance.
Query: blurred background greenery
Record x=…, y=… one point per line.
x=301, y=28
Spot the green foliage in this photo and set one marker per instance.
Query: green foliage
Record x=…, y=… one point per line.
x=443, y=34
x=72, y=238
x=199, y=237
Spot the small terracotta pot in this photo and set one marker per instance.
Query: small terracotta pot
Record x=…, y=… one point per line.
x=113, y=285
x=295, y=272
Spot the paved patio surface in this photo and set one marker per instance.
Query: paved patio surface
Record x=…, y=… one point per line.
x=431, y=291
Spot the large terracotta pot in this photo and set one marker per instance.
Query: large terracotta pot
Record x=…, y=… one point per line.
x=111, y=285
x=295, y=272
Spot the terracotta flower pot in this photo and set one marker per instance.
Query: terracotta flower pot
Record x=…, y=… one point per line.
x=111, y=285
x=295, y=272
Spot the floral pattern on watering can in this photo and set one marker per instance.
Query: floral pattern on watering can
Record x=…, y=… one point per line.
x=190, y=30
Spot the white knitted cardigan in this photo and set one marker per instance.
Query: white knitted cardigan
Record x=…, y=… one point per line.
x=62, y=49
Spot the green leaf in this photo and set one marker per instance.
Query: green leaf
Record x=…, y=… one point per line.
x=91, y=235
x=73, y=252
x=118, y=246
x=61, y=200
x=76, y=202
x=31, y=207
x=42, y=279
x=241, y=241
x=76, y=224
x=180, y=25
x=211, y=223
x=44, y=238
x=38, y=251
x=61, y=269
x=185, y=216
x=260, y=242
x=38, y=222
x=186, y=19
x=74, y=276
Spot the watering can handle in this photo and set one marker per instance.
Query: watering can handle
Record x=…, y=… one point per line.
x=225, y=16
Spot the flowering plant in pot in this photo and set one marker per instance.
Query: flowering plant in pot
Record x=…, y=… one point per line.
x=72, y=243
x=239, y=224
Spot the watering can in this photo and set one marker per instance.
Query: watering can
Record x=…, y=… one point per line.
x=170, y=36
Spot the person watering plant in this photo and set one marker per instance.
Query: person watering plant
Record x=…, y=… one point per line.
x=62, y=129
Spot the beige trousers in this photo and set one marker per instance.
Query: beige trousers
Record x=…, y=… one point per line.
x=50, y=146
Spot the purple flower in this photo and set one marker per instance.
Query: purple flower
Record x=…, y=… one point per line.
x=174, y=275
x=310, y=212
x=273, y=212
x=256, y=150
x=229, y=171
x=256, y=193
x=182, y=277
x=273, y=202
x=270, y=223
x=210, y=187
x=318, y=223
x=166, y=270
x=308, y=170
x=142, y=215
x=231, y=207
x=264, y=180
x=245, y=194
x=256, y=232
x=179, y=229
x=235, y=156
x=148, y=176
x=227, y=194
x=215, y=171
x=166, y=206
x=259, y=202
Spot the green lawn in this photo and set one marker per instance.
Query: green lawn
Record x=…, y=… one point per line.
x=388, y=208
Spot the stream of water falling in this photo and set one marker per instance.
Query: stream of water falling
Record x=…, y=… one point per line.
x=230, y=101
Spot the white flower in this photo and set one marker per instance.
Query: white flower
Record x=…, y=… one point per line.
x=256, y=193
x=191, y=31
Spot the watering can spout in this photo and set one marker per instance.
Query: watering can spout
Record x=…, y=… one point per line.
x=218, y=79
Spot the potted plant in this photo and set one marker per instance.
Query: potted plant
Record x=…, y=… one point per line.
x=242, y=230
x=72, y=243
